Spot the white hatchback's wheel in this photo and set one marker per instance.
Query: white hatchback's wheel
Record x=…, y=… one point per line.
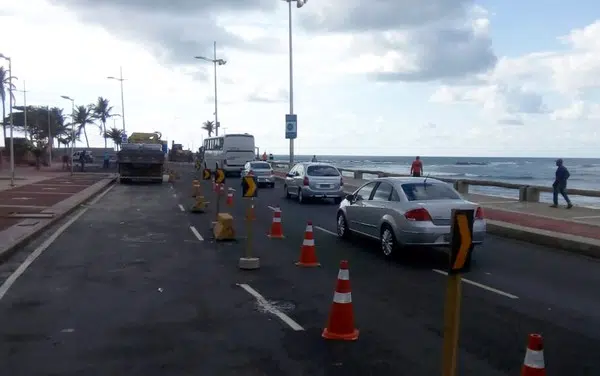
x=300, y=197
x=342, y=226
x=287, y=192
x=388, y=241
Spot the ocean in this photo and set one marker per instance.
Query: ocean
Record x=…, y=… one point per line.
x=585, y=172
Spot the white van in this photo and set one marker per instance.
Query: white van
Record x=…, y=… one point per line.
x=229, y=152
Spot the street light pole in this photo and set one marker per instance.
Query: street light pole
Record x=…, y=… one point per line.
x=215, y=75
x=215, y=62
x=120, y=79
x=299, y=4
x=73, y=134
x=49, y=138
x=25, y=124
x=10, y=101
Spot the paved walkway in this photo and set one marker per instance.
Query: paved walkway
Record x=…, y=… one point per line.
x=580, y=221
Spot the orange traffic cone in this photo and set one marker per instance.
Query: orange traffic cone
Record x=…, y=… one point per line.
x=229, y=197
x=340, y=325
x=276, y=229
x=533, y=365
x=308, y=255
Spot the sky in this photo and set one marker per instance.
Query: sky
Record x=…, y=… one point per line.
x=380, y=77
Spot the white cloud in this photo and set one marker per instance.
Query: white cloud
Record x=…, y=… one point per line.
x=518, y=86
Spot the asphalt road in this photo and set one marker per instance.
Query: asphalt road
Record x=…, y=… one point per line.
x=131, y=288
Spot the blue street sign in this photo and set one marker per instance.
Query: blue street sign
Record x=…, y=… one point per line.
x=291, y=126
x=123, y=138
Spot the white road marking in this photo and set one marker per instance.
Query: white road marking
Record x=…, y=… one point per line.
x=480, y=285
x=268, y=307
x=42, y=247
x=325, y=230
x=271, y=207
x=196, y=233
x=181, y=208
x=174, y=195
x=587, y=217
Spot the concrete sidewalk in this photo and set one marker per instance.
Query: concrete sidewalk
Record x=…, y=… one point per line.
x=576, y=230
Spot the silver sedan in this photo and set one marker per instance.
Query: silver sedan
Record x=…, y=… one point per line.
x=262, y=171
x=403, y=211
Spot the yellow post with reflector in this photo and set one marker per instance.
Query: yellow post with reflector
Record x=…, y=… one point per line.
x=249, y=190
x=461, y=246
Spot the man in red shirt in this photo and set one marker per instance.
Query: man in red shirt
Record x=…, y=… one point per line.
x=416, y=169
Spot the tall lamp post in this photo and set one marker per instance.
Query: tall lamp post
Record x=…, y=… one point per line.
x=215, y=62
x=10, y=101
x=73, y=133
x=120, y=79
x=299, y=4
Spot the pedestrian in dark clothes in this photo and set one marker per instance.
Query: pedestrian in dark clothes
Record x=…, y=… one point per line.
x=560, y=184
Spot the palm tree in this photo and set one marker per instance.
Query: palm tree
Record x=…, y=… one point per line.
x=209, y=126
x=115, y=134
x=102, y=112
x=4, y=82
x=84, y=116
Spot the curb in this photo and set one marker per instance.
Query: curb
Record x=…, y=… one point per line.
x=565, y=242
x=559, y=241
x=60, y=210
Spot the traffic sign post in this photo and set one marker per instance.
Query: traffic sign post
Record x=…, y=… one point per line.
x=249, y=190
x=247, y=261
x=461, y=246
x=291, y=126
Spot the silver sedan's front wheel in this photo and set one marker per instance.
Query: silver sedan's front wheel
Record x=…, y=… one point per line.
x=342, y=226
x=388, y=241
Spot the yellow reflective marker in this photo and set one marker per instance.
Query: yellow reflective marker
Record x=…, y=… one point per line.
x=249, y=186
x=206, y=174
x=461, y=243
x=465, y=242
x=220, y=176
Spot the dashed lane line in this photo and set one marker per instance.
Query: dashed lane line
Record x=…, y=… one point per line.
x=196, y=233
x=481, y=285
x=468, y=281
x=268, y=307
x=325, y=230
x=181, y=208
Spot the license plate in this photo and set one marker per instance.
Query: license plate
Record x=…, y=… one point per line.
x=325, y=186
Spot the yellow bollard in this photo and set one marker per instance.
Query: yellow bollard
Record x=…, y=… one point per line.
x=200, y=205
x=223, y=229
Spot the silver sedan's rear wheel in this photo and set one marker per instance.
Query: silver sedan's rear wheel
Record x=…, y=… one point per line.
x=388, y=241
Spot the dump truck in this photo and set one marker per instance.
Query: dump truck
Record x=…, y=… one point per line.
x=142, y=158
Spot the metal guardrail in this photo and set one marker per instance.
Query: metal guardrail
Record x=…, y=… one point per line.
x=527, y=193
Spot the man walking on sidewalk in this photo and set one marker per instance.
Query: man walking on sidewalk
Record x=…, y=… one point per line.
x=560, y=184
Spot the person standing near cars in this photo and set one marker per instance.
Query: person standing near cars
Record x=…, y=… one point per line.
x=416, y=169
x=82, y=160
x=560, y=184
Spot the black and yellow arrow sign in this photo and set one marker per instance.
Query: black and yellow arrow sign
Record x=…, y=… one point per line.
x=249, y=186
x=206, y=174
x=462, y=240
x=219, y=176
